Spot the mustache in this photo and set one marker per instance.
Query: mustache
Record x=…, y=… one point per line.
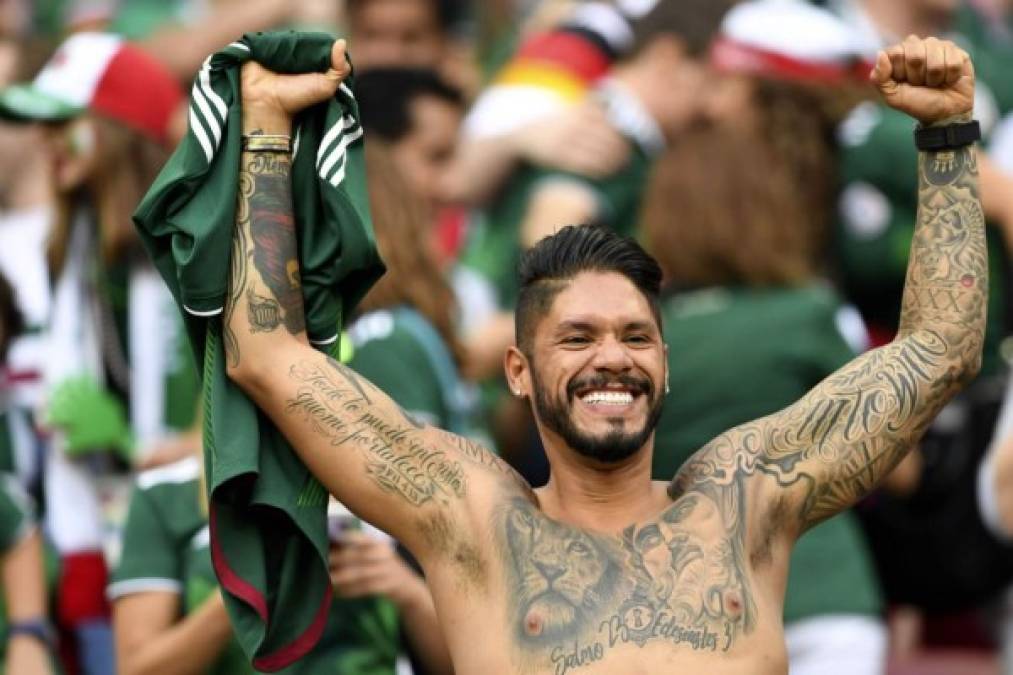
x=637, y=385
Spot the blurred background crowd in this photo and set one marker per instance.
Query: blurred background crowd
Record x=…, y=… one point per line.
x=739, y=141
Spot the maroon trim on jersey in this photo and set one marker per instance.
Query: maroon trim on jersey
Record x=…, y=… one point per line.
x=229, y=578
x=301, y=645
x=248, y=593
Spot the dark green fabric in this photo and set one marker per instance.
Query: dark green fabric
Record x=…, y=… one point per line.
x=736, y=355
x=267, y=512
x=182, y=382
x=879, y=201
x=493, y=247
x=384, y=351
x=991, y=51
x=165, y=544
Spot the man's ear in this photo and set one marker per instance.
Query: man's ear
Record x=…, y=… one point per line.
x=518, y=372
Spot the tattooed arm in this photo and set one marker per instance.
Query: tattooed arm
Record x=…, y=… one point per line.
x=822, y=454
x=419, y=484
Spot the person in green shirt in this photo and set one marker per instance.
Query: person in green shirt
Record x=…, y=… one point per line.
x=168, y=612
x=750, y=329
x=406, y=323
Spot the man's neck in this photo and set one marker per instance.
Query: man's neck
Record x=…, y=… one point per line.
x=896, y=20
x=605, y=499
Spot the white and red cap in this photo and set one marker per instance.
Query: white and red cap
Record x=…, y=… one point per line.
x=102, y=73
x=788, y=40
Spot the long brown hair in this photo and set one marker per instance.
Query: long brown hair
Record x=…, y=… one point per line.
x=722, y=209
x=799, y=120
x=402, y=222
x=127, y=162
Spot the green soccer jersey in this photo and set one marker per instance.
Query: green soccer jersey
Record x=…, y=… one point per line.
x=736, y=355
x=166, y=548
x=385, y=349
x=389, y=343
x=878, y=206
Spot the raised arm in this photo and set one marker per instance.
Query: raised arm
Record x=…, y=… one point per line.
x=422, y=485
x=820, y=455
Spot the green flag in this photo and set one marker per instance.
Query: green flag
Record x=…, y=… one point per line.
x=267, y=512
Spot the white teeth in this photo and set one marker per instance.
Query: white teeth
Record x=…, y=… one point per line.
x=608, y=397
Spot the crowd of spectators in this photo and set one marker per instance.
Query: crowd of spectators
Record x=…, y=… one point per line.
x=740, y=142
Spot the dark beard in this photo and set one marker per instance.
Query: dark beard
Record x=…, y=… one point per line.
x=618, y=443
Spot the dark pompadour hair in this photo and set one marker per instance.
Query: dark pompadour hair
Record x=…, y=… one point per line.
x=545, y=269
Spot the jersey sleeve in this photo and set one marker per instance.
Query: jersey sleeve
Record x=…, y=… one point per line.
x=17, y=513
x=149, y=561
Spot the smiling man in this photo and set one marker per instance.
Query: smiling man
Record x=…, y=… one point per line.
x=602, y=570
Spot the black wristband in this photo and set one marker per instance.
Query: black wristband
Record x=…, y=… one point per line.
x=949, y=137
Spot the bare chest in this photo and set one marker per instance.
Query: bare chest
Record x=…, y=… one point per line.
x=674, y=591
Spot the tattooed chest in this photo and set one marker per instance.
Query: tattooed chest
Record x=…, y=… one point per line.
x=576, y=596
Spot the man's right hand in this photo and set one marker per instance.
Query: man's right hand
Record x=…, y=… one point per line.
x=270, y=100
x=929, y=79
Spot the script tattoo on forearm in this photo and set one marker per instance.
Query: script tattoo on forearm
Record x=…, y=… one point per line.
x=575, y=595
x=837, y=442
x=405, y=459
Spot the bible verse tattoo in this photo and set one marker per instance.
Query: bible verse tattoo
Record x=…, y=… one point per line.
x=417, y=464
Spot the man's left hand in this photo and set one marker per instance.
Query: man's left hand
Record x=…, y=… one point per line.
x=931, y=80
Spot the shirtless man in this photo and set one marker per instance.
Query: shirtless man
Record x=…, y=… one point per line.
x=601, y=570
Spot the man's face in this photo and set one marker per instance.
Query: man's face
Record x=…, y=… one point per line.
x=598, y=367
x=396, y=33
x=423, y=155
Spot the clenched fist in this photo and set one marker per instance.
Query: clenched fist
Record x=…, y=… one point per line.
x=931, y=80
x=270, y=100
